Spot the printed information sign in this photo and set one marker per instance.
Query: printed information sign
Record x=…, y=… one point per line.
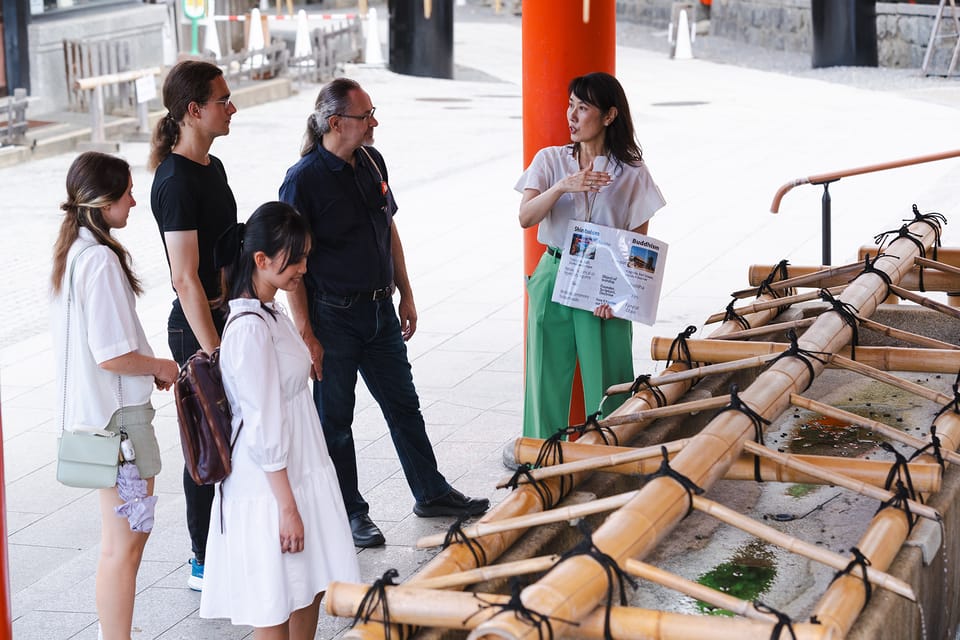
x=602, y=265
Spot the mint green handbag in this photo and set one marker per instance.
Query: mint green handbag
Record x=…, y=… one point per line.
x=85, y=459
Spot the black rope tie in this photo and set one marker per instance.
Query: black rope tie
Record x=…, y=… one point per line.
x=859, y=560
x=591, y=425
x=933, y=446
x=731, y=314
x=870, y=266
x=779, y=272
x=783, y=620
x=847, y=313
x=952, y=405
x=736, y=404
x=455, y=534
x=905, y=233
x=681, y=349
x=642, y=383
x=537, y=620
x=934, y=221
x=541, y=487
x=666, y=470
x=610, y=567
x=551, y=453
x=804, y=355
x=900, y=500
x=899, y=471
x=376, y=598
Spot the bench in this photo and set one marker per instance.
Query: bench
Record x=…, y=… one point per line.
x=97, y=85
x=13, y=118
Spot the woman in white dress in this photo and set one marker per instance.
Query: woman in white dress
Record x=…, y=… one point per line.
x=279, y=532
x=110, y=363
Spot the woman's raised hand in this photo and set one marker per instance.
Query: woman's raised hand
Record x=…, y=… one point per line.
x=586, y=180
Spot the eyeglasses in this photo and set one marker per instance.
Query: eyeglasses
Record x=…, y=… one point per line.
x=365, y=117
x=226, y=102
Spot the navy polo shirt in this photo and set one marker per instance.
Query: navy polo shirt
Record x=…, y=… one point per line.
x=351, y=213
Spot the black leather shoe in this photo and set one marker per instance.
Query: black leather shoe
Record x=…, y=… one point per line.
x=365, y=533
x=452, y=503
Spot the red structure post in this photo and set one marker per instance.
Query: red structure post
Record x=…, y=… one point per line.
x=6, y=630
x=561, y=40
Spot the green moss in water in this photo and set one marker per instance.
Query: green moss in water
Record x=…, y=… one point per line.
x=800, y=490
x=747, y=575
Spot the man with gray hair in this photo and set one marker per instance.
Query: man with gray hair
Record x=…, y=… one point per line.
x=344, y=306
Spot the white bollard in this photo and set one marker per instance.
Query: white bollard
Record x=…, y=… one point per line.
x=371, y=51
x=211, y=39
x=683, y=50
x=255, y=39
x=302, y=47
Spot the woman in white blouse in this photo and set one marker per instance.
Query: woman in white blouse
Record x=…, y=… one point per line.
x=601, y=178
x=279, y=532
x=109, y=364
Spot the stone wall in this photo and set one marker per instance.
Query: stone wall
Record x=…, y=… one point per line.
x=903, y=29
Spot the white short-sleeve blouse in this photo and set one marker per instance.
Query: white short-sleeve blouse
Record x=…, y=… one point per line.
x=103, y=325
x=629, y=201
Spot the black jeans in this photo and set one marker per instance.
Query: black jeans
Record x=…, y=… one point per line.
x=364, y=336
x=199, y=498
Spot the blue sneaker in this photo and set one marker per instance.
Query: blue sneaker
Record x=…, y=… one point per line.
x=195, y=581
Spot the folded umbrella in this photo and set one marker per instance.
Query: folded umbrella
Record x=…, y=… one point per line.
x=138, y=506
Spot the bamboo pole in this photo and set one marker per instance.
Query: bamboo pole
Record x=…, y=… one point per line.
x=718, y=511
x=695, y=590
x=774, y=303
x=818, y=277
x=936, y=264
x=696, y=372
x=575, y=586
x=888, y=358
x=840, y=480
x=925, y=302
x=933, y=280
x=692, y=407
x=627, y=461
x=744, y=334
x=492, y=572
x=906, y=336
x=890, y=379
x=799, y=547
x=886, y=430
x=455, y=610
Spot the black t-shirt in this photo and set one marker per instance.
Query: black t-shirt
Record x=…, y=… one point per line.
x=187, y=196
x=350, y=213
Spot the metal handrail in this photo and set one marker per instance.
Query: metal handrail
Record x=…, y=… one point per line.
x=826, y=178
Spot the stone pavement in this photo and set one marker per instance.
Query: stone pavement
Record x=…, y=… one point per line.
x=719, y=140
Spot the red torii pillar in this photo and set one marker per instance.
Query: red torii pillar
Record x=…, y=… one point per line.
x=6, y=631
x=561, y=40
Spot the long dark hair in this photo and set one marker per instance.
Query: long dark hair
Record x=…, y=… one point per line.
x=188, y=81
x=274, y=228
x=603, y=91
x=334, y=98
x=94, y=181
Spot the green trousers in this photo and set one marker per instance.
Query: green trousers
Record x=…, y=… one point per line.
x=557, y=337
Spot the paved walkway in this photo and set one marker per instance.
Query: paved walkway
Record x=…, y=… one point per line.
x=719, y=139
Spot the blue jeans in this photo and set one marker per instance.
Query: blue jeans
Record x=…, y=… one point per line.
x=364, y=336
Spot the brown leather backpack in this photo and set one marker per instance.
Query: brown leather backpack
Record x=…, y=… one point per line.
x=205, y=417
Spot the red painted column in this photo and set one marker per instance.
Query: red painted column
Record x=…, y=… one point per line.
x=6, y=631
x=561, y=40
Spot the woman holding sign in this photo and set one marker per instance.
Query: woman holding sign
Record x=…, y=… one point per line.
x=599, y=178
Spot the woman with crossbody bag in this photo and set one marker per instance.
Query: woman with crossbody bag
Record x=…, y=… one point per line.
x=106, y=370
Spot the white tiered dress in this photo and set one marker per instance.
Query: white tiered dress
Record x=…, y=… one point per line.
x=247, y=579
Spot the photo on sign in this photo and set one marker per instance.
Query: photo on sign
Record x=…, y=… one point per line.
x=643, y=258
x=582, y=247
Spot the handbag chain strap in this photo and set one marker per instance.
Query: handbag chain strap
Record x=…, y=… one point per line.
x=66, y=350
